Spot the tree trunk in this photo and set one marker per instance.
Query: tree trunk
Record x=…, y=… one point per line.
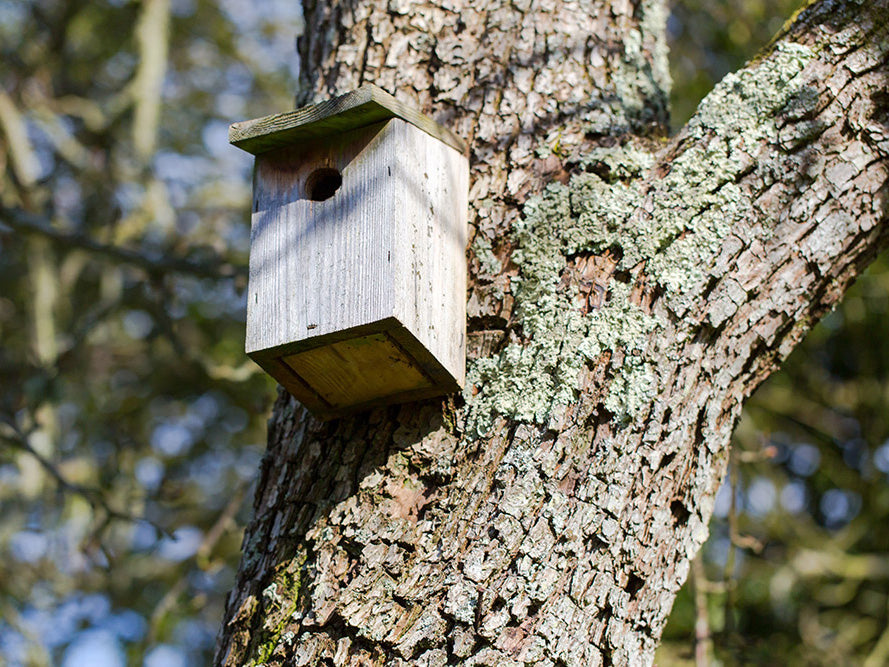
x=627, y=294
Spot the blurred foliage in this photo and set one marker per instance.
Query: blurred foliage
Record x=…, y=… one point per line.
x=796, y=570
x=131, y=424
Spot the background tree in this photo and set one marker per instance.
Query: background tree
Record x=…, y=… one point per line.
x=627, y=295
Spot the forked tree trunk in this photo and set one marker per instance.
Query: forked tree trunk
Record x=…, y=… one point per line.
x=627, y=294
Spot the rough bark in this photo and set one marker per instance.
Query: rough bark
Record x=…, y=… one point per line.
x=627, y=294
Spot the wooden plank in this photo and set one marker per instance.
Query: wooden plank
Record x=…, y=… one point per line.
x=359, y=370
x=429, y=251
x=440, y=379
x=318, y=268
x=390, y=243
x=365, y=106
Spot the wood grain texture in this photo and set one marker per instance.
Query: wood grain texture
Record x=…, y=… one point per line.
x=386, y=253
x=358, y=370
x=359, y=108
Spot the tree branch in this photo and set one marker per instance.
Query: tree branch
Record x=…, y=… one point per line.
x=19, y=439
x=27, y=223
x=152, y=36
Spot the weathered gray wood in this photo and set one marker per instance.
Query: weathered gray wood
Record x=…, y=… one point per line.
x=365, y=106
x=384, y=255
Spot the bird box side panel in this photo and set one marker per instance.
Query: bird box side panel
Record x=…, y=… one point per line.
x=319, y=266
x=430, y=280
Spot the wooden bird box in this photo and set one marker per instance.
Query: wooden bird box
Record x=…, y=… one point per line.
x=357, y=289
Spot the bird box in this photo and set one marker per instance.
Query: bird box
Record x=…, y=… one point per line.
x=357, y=283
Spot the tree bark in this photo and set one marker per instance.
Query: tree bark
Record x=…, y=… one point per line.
x=627, y=294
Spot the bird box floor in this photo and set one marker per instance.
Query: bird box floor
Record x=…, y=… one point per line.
x=358, y=370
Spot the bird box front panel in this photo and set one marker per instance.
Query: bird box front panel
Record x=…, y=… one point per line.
x=319, y=266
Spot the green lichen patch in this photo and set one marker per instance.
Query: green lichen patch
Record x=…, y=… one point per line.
x=279, y=601
x=673, y=226
x=488, y=261
x=693, y=208
x=699, y=202
x=526, y=382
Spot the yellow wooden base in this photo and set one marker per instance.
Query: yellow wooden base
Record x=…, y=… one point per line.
x=359, y=370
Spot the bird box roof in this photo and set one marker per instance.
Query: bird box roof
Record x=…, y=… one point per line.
x=365, y=106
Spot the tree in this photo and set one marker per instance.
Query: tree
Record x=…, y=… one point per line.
x=628, y=292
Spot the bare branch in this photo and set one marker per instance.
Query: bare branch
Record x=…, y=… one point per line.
x=703, y=636
x=152, y=35
x=24, y=161
x=27, y=223
x=201, y=558
x=16, y=437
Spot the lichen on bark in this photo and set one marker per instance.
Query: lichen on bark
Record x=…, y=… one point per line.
x=690, y=213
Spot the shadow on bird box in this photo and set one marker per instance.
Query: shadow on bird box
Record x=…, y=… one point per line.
x=357, y=291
